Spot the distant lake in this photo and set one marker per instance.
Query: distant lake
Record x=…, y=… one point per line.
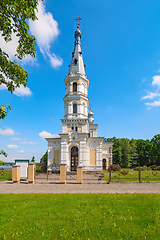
x=6, y=167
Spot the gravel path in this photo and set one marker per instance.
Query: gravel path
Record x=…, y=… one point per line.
x=90, y=184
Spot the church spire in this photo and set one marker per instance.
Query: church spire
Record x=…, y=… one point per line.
x=77, y=66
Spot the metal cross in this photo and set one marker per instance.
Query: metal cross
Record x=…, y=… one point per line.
x=78, y=19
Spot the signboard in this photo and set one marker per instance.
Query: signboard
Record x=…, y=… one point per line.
x=23, y=167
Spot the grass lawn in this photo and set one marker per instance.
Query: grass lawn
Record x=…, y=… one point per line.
x=80, y=216
x=5, y=175
x=151, y=175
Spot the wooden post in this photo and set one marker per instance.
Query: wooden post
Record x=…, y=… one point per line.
x=63, y=173
x=139, y=174
x=79, y=174
x=16, y=174
x=31, y=173
x=47, y=175
x=109, y=173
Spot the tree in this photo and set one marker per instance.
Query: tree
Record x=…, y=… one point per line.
x=14, y=15
x=33, y=159
x=3, y=153
x=155, y=144
x=2, y=163
x=44, y=158
x=144, y=151
x=133, y=153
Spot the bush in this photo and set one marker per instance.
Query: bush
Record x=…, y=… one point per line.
x=157, y=168
x=154, y=167
x=114, y=167
x=124, y=171
x=145, y=168
x=41, y=168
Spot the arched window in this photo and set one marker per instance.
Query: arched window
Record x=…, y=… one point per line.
x=83, y=108
x=74, y=108
x=74, y=87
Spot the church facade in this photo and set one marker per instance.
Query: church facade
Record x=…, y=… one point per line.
x=78, y=144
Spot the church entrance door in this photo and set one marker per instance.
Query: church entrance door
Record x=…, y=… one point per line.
x=104, y=164
x=74, y=158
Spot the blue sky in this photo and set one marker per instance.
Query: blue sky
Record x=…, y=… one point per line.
x=121, y=50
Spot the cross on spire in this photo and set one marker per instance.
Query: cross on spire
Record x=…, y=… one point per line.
x=78, y=19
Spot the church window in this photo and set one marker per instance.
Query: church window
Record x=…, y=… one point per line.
x=76, y=129
x=74, y=87
x=75, y=61
x=72, y=128
x=74, y=108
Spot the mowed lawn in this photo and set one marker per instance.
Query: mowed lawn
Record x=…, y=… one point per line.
x=80, y=216
x=5, y=175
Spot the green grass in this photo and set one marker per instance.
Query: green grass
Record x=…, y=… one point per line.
x=151, y=175
x=5, y=175
x=80, y=216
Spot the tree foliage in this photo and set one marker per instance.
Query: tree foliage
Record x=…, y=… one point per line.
x=14, y=16
x=33, y=159
x=44, y=158
x=132, y=153
x=3, y=153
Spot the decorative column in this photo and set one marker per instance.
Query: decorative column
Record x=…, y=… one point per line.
x=63, y=173
x=31, y=173
x=16, y=174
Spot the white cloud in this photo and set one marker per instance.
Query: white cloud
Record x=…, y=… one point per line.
x=7, y=132
x=45, y=134
x=55, y=61
x=156, y=80
x=20, y=92
x=45, y=29
x=10, y=49
x=15, y=139
x=153, y=104
x=32, y=143
x=12, y=146
x=21, y=151
x=150, y=95
x=23, y=142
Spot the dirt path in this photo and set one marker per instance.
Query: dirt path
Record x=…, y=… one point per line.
x=90, y=184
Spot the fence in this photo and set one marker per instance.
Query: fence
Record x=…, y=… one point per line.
x=139, y=175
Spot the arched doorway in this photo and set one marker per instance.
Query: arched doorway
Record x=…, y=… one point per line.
x=104, y=164
x=74, y=158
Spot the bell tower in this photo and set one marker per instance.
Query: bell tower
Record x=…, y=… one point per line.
x=76, y=100
x=78, y=144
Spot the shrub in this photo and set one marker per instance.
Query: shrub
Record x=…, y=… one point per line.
x=145, y=168
x=41, y=167
x=124, y=171
x=114, y=167
x=157, y=168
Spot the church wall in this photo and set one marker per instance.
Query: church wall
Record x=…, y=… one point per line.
x=95, y=152
x=56, y=157
x=82, y=152
x=107, y=152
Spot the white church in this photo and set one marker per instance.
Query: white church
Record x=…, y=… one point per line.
x=78, y=144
